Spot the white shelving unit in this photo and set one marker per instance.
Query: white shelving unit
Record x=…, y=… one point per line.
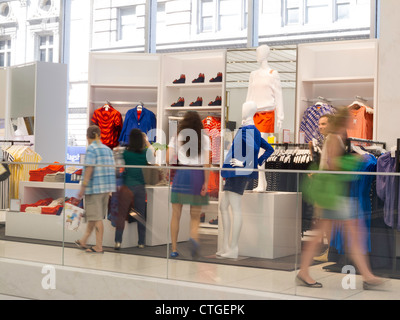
x=123, y=79
x=53, y=228
x=338, y=71
x=38, y=90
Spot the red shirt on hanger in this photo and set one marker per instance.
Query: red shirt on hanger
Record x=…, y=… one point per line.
x=110, y=123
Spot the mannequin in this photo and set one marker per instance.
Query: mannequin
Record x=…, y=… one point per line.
x=266, y=91
x=242, y=154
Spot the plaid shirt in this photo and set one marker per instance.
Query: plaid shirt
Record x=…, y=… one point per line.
x=103, y=179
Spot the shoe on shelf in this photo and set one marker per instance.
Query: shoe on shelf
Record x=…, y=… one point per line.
x=218, y=78
x=182, y=79
x=174, y=254
x=213, y=221
x=197, y=103
x=179, y=103
x=199, y=79
x=216, y=102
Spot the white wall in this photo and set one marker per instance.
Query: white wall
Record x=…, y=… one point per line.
x=388, y=113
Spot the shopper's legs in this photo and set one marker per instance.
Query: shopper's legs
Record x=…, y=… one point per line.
x=356, y=251
x=310, y=248
x=176, y=218
x=88, y=232
x=99, y=229
x=195, y=212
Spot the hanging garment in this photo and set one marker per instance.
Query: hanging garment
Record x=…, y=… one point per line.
x=248, y=140
x=146, y=123
x=212, y=126
x=385, y=188
x=309, y=123
x=110, y=123
x=360, y=125
x=20, y=172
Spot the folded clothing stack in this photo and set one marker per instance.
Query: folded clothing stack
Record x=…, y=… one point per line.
x=54, y=177
x=39, y=174
x=47, y=206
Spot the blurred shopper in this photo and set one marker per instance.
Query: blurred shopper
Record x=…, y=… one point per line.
x=99, y=181
x=342, y=211
x=134, y=190
x=189, y=148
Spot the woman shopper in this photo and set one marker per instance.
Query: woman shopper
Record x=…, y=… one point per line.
x=343, y=212
x=188, y=148
x=135, y=154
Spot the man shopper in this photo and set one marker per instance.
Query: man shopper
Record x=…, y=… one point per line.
x=98, y=182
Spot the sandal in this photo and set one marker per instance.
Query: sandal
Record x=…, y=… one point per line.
x=80, y=246
x=92, y=250
x=302, y=282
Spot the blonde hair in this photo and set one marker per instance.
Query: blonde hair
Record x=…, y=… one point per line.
x=339, y=119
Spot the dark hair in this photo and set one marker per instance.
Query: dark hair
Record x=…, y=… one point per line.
x=136, y=142
x=92, y=131
x=192, y=120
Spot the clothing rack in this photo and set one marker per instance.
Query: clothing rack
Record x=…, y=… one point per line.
x=396, y=205
x=16, y=141
x=287, y=145
x=350, y=140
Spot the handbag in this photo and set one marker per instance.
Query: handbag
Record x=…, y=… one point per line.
x=326, y=189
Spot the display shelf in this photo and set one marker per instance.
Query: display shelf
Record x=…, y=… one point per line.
x=205, y=85
x=53, y=228
x=339, y=80
x=199, y=109
x=338, y=72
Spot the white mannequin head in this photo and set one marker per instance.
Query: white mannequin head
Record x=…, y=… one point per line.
x=262, y=53
x=249, y=109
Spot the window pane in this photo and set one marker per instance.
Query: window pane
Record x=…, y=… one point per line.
x=50, y=58
x=50, y=40
x=207, y=8
x=2, y=45
x=206, y=24
x=343, y=11
x=42, y=41
x=42, y=55
x=293, y=16
x=2, y=57
x=8, y=59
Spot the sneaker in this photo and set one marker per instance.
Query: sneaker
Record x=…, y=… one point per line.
x=179, y=103
x=182, y=79
x=216, y=102
x=195, y=248
x=117, y=246
x=197, y=103
x=174, y=254
x=218, y=78
x=199, y=79
x=213, y=221
x=202, y=217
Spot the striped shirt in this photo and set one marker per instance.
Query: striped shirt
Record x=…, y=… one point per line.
x=309, y=123
x=103, y=179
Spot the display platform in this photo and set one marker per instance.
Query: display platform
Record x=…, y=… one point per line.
x=53, y=228
x=271, y=225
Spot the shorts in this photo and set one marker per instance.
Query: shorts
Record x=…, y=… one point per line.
x=265, y=121
x=346, y=210
x=236, y=184
x=96, y=206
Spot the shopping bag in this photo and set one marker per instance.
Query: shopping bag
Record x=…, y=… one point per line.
x=74, y=216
